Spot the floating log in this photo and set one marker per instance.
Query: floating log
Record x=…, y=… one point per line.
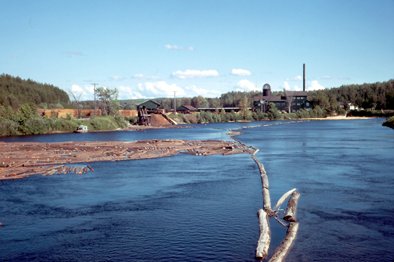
x=283, y=198
x=265, y=185
x=267, y=200
x=291, y=210
x=265, y=235
x=284, y=248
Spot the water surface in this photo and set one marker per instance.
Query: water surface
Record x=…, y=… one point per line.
x=194, y=208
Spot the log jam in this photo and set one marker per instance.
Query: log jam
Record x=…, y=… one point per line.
x=20, y=159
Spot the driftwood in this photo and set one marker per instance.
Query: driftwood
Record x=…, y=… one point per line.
x=265, y=185
x=264, y=214
x=291, y=210
x=265, y=235
x=284, y=248
x=283, y=198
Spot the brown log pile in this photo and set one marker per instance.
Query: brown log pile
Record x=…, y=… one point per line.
x=18, y=160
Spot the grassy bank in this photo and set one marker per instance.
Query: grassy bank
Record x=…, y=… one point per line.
x=26, y=121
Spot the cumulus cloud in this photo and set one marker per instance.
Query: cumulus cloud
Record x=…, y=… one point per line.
x=315, y=85
x=138, y=76
x=127, y=92
x=84, y=92
x=160, y=89
x=289, y=87
x=245, y=85
x=297, y=78
x=240, y=72
x=178, y=48
x=199, y=91
x=192, y=73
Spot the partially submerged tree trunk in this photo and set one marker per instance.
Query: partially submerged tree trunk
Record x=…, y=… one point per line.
x=265, y=235
x=290, y=214
x=264, y=214
x=284, y=248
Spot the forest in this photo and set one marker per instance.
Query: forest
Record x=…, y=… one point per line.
x=15, y=92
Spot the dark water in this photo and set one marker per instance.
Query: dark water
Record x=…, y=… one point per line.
x=189, y=208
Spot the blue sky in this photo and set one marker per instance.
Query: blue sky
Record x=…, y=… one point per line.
x=196, y=47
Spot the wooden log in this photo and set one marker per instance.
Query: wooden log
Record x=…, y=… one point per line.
x=291, y=210
x=267, y=200
x=265, y=186
x=283, y=198
x=264, y=241
x=264, y=181
x=284, y=248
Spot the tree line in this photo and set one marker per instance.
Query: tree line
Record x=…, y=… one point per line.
x=375, y=96
x=15, y=91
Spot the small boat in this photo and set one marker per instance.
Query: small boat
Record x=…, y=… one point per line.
x=81, y=129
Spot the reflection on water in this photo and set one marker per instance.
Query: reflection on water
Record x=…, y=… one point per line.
x=204, y=208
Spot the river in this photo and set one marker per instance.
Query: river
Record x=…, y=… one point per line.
x=196, y=208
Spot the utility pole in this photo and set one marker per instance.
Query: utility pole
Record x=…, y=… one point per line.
x=94, y=94
x=303, y=78
x=174, y=102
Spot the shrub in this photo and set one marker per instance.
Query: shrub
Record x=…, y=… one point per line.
x=8, y=127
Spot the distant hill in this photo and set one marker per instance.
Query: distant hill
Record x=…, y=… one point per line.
x=15, y=92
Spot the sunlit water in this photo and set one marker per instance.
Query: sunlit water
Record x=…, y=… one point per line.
x=194, y=208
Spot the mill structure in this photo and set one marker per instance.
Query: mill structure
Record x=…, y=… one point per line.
x=289, y=101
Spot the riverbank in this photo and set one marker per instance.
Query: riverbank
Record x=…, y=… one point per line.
x=342, y=117
x=389, y=122
x=19, y=160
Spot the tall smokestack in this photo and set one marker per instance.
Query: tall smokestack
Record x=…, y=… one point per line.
x=303, y=77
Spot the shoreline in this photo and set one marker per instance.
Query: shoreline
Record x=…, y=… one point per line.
x=143, y=128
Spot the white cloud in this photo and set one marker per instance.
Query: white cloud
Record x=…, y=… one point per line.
x=179, y=48
x=127, y=92
x=245, y=85
x=240, y=72
x=287, y=86
x=315, y=85
x=192, y=73
x=160, y=89
x=297, y=78
x=198, y=91
x=81, y=92
x=138, y=76
x=117, y=78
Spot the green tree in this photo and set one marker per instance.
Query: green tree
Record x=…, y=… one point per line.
x=199, y=101
x=108, y=100
x=273, y=112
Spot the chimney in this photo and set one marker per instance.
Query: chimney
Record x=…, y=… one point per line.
x=303, y=78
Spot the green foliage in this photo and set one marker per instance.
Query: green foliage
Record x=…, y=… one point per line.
x=273, y=112
x=8, y=127
x=15, y=92
x=108, y=100
x=106, y=123
x=26, y=121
